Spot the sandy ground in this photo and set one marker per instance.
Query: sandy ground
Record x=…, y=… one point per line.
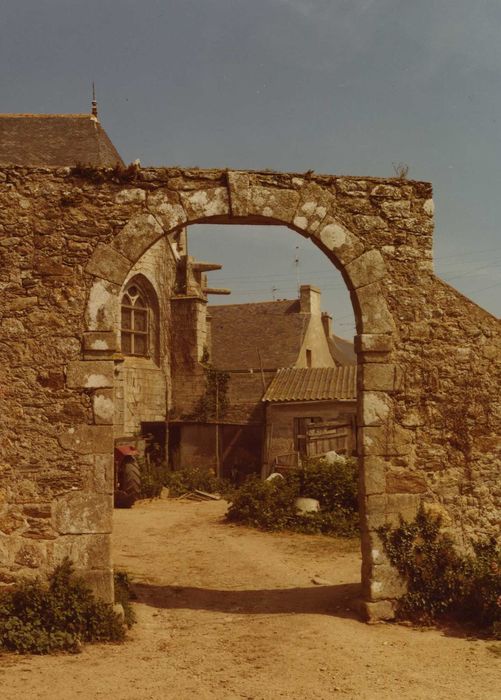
x=227, y=612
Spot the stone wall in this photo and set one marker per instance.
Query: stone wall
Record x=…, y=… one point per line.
x=142, y=385
x=428, y=404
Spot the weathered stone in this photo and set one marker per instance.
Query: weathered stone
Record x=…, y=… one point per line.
x=379, y=377
x=367, y=223
x=167, y=209
x=387, y=583
x=103, y=406
x=85, y=551
x=374, y=475
x=374, y=314
x=378, y=611
x=336, y=238
x=429, y=207
x=204, y=204
x=137, y=236
x=108, y=264
x=79, y=512
x=366, y=269
x=397, y=209
x=314, y=205
x=87, y=439
x=30, y=556
x=279, y=205
x=372, y=342
x=20, y=304
x=376, y=408
x=11, y=522
x=404, y=481
x=389, y=439
x=239, y=194
x=90, y=374
x=386, y=192
x=63, y=274
x=130, y=196
x=99, y=581
x=96, y=343
x=102, y=306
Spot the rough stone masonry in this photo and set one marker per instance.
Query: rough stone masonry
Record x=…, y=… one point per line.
x=429, y=359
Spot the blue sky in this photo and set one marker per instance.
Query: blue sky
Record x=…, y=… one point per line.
x=338, y=86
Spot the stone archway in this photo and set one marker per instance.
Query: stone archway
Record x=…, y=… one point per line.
x=428, y=408
x=312, y=211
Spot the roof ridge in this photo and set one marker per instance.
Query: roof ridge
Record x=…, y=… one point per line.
x=45, y=116
x=250, y=303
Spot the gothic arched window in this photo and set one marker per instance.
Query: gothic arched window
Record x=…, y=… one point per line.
x=138, y=324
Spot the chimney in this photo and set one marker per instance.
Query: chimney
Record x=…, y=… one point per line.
x=327, y=324
x=309, y=299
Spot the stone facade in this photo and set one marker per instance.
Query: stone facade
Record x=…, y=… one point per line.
x=142, y=389
x=428, y=404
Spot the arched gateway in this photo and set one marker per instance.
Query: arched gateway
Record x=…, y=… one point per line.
x=421, y=347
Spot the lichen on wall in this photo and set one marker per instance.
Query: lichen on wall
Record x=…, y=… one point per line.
x=428, y=393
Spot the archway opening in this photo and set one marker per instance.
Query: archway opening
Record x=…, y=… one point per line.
x=285, y=294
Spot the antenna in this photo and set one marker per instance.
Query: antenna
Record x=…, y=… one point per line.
x=296, y=263
x=94, y=103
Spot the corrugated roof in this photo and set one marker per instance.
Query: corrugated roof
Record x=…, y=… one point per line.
x=313, y=384
x=55, y=140
x=249, y=336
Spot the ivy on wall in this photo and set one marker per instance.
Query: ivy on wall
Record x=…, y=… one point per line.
x=214, y=403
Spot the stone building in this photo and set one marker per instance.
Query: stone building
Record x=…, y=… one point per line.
x=428, y=359
x=310, y=411
x=250, y=343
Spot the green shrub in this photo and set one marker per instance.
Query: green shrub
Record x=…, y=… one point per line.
x=123, y=595
x=154, y=475
x=441, y=582
x=42, y=618
x=191, y=479
x=269, y=505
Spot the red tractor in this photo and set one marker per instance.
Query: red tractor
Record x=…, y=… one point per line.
x=128, y=471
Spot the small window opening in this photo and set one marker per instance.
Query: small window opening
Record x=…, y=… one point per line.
x=135, y=322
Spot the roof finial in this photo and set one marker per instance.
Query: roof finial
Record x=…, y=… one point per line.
x=94, y=103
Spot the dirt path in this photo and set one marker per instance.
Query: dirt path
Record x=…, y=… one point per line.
x=226, y=612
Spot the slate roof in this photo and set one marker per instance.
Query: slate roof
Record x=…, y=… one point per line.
x=274, y=328
x=55, y=140
x=313, y=384
x=342, y=351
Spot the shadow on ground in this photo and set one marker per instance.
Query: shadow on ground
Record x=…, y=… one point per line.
x=340, y=600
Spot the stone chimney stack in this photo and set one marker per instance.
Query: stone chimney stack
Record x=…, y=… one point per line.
x=309, y=299
x=327, y=324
